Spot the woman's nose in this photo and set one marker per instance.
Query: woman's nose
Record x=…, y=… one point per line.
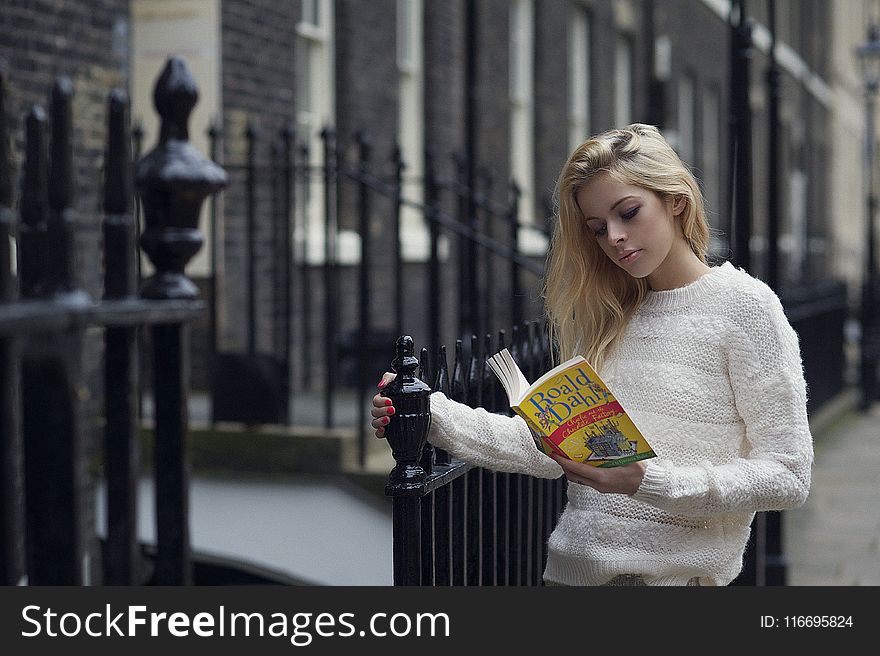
x=616, y=234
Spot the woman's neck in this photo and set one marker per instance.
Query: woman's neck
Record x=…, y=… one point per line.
x=681, y=267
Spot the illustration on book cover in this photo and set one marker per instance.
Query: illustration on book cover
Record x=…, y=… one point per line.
x=572, y=413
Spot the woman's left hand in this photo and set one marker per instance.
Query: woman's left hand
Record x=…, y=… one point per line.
x=609, y=480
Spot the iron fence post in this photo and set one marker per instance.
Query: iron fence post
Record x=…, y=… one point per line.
x=12, y=559
x=330, y=290
x=407, y=434
x=121, y=445
x=363, y=331
x=173, y=181
x=776, y=562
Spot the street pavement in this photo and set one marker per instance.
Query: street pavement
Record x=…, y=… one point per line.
x=834, y=538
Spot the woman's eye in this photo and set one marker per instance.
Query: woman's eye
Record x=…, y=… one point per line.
x=599, y=231
x=631, y=213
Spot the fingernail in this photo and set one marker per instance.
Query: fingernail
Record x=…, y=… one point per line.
x=385, y=420
x=388, y=401
x=381, y=382
x=390, y=411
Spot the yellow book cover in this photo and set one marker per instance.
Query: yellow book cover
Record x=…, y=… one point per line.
x=572, y=413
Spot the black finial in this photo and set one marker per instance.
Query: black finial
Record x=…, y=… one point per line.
x=408, y=430
x=405, y=363
x=173, y=181
x=174, y=97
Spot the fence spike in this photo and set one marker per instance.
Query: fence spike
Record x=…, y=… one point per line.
x=117, y=166
x=120, y=248
x=474, y=387
x=32, y=242
x=7, y=221
x=458, y=382
x=486, y=376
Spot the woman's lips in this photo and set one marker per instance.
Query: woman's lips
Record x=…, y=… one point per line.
x=626, y=259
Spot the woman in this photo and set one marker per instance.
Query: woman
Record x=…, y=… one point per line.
x=703, y=359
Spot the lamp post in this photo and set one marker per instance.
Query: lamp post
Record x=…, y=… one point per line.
x=868, y=55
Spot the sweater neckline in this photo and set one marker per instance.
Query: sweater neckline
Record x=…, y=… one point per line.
x=672, y=298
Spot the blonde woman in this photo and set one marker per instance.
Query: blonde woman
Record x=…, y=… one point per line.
x=702, y=357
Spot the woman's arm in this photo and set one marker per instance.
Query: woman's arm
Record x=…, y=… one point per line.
x=487, y=439
x=474, y=435
x=766, y=375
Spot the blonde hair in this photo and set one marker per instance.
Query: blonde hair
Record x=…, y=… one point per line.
x=588, y=299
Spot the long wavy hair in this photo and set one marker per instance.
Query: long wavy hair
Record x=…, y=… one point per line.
x=589, y=299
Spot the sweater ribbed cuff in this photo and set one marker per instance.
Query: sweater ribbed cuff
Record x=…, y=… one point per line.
x=438, y=435
x=653, y=484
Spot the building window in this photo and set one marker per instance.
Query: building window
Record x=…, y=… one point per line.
x=623, y=81
x=316, y=109
x=578, y=77
x=522, y=166
x=411, y=125
x=311, y=12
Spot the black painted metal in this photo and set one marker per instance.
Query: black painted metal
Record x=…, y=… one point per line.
x=443, y=535
x=306, y=340
x=427, y=459
x=741, y=133
x=435, y=289
x=407, y=432
x=774, y=95
x=462, y=538
x=397, y=254
x=215, y=133
x=363, y=329
x=488, y=545
x=330, y=268
x=487, y=295
x=475, y=375
x=251, y=135
x=44, y=455
x=288, y=139
x=173, y=180
x=516, y=290
x=121, y=445
x=472, y=517
x=475, y=526
x=442, y=385
x=60, y=278
x=57, y=540
x=34, y=206
x=12, y=558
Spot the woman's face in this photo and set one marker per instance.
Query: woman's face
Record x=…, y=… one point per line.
x=635, y=227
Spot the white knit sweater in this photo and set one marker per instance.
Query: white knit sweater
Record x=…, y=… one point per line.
x=711, y=374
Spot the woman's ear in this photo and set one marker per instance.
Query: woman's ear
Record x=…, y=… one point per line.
x=679, y=203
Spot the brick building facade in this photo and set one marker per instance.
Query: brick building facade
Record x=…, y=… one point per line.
x=588, y=65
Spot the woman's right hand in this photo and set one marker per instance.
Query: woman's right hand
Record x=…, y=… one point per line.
x=382, y=406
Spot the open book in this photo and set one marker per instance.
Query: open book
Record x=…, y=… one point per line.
x=572, y=413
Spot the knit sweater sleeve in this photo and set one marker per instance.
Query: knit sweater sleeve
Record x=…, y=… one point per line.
x=766, y=376
x=487, y=439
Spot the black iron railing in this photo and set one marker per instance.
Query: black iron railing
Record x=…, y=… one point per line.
x=455, y=523
x=46, y=453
